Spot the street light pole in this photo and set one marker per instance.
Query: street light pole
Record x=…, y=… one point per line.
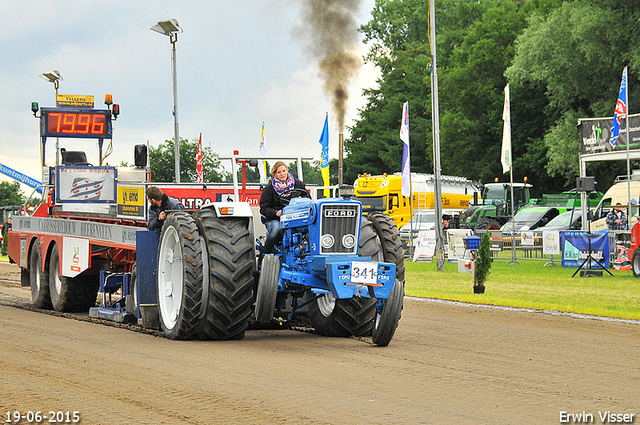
x=176, y=132
x=171, y=28
x=54, y=77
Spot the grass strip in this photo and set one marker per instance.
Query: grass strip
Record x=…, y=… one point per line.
x=531, y=285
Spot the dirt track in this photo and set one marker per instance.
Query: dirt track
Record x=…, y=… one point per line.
x=447, y=364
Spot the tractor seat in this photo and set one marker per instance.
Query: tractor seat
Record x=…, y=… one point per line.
x=74, y=158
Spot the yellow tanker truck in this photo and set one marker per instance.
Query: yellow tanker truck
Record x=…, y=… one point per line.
x=384, y=193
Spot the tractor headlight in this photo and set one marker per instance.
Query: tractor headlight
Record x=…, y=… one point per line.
x=327, y=241
x=348, y=241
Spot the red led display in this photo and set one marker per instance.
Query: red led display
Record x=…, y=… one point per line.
x=77, y=124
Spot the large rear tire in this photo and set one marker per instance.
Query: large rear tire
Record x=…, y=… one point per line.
x=352, y=316
x=232, y=261
x=489, y=224
x=387, y=318
x=38, y=279
x=267, y=288
x=179, y=276
x=75, y=294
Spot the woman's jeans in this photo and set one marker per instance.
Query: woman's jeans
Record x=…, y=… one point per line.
x=273, y=234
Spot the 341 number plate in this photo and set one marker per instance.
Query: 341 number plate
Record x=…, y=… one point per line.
x=364, y=272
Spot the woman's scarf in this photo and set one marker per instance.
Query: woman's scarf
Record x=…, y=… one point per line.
x=281, y=187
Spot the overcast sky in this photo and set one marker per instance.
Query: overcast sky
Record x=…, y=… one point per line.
x=240, y=63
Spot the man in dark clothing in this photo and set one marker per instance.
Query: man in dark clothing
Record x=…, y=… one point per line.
x=616, y=219
x=275, y=196
x=160, y=203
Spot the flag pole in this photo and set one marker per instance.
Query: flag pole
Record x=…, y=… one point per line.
x=435, y=116
x=513, y=216
x=506, y=157
x=626, y=99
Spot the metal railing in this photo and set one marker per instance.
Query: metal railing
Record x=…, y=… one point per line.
x=530, y=246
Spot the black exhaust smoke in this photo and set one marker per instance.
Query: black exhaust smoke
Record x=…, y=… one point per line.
x=333, y=32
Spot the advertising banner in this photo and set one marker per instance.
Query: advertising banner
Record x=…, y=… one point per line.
x=497, y=243
x=551, y=243
x=131, y=202
x=194, y=196
x=426, y=246
x=623, y=243
x=86, y=184
x=595, y=135
x=575, y=248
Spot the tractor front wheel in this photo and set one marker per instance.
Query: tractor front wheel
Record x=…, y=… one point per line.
x=386, y=321
x=388, y=315
x=267, y=288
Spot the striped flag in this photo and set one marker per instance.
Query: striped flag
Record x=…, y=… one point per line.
x=621, y=110
x=199, y=160
x=406, y=157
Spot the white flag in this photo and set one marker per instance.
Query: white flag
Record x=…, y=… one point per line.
x=505, y=156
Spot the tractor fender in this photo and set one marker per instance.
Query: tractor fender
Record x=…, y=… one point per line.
x=230, y=209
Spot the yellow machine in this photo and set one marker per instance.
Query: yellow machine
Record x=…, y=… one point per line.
x=384, y=193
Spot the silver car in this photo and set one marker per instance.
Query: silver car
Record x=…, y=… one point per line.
x=421, y=220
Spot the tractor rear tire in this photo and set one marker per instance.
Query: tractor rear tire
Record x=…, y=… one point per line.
x=386, y=320
x=38, y=279
x=488, y=224
x=635, y=262
x=267, y=288
x=179, y=276
x=70, y=294
x=229, y=278
x=351, y=316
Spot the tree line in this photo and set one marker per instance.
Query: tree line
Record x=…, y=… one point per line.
x=562, y=59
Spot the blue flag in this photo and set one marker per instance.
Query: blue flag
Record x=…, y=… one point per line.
x=324, y=164
x=621, y=109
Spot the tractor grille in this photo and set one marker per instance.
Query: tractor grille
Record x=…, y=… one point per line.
x=341, y=221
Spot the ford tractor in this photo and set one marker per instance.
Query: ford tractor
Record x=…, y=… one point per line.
x=345, y=268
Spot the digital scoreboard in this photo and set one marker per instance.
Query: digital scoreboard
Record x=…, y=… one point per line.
x=75, y=122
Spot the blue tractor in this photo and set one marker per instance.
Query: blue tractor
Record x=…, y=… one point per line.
x=345, y=268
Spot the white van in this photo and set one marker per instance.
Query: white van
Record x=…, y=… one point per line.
x=619, y=192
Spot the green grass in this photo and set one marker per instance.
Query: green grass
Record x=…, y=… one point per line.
x=531, y=285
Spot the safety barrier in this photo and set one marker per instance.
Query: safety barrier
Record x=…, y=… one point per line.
x=528, y=245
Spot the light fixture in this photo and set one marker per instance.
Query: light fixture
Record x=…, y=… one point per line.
x=167, y=27
x=51, y=76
